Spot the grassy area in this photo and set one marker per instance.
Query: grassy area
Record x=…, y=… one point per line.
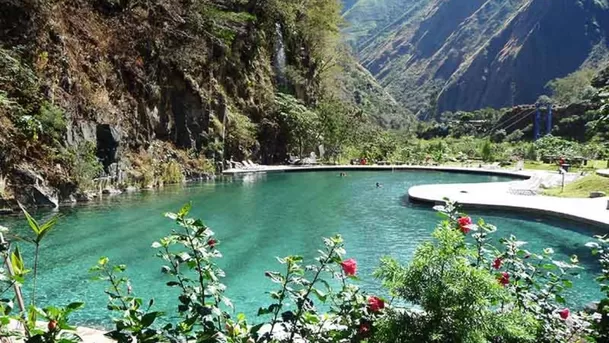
x=592, y=165
x=581, y=188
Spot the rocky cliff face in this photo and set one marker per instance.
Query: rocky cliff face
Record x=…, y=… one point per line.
x=155, y=91
x=464, y=55
x=145, y=87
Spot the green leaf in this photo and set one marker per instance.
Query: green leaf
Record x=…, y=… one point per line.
x=103, y=261
x=549, y=266
x=17, y=263
x=75, y=306
x=31, y=221
x=185, y=210
x=310, y=318
x=149, y=318
x=271, y=309
x=46, y=228
x=320, y=295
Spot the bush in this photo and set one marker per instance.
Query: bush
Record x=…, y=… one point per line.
x=82, y=163
x=499, y=136
x=487, y=152
x=171, y=172
x=474, y=292
x=515, y=136
x=52, y=122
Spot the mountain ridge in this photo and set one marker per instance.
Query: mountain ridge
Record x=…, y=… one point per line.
x=465, y=56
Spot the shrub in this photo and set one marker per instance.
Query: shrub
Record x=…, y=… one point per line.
x=474, y=292
x=52, y=122
x=499, y=136
x=82, y=163
x=171, y=172
x=515, y=136
x=486, y=152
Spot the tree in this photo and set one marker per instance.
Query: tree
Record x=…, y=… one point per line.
x=301, y=124
x=338, y=122
x=487, y=152
x=499, y=136
x=571, y=88
x=241, y=135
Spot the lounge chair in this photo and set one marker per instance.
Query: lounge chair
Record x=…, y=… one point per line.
x=249, y=166
x=495, y=165
x=253, y=164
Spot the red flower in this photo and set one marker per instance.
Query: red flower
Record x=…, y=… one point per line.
x=464, y=224
x=52, y=325
x=212, y=243
x=564, y=314
x=376, y=304
x=497, y=263
x=349, y=267
x=504, y=279
x=364, y=328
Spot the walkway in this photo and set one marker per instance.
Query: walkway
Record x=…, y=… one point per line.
x=287, y=169
x=497, y=196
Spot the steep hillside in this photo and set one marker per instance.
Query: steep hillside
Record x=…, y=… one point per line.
x=448, y=54
x=359, y=87
x=146, y=92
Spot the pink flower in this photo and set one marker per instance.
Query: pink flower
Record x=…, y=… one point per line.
x=464, y=224
x=497, y=263
x=349, y=267
x=504, y=279
x=375, y=304
x=564, y=314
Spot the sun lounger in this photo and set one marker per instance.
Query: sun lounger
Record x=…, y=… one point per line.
x=249, y=166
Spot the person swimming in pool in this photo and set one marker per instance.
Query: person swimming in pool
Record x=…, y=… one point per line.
x=378, y=185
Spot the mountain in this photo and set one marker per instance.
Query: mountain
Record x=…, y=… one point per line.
x=447, y=55
x=357, y=86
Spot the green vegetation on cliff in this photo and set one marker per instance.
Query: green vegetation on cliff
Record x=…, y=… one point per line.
x=165, y=80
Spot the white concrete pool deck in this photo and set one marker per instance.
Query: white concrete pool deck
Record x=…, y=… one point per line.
x=279, y=169
x=495, y=195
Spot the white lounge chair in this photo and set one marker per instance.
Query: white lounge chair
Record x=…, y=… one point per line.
x=249, y=166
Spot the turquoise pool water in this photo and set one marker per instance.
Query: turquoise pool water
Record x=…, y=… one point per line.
x=258, y=217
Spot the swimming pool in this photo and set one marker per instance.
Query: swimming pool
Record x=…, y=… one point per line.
x=257, y=217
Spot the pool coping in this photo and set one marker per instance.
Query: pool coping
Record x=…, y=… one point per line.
x=484, y=196
x=495, y=196
x=292, y=169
